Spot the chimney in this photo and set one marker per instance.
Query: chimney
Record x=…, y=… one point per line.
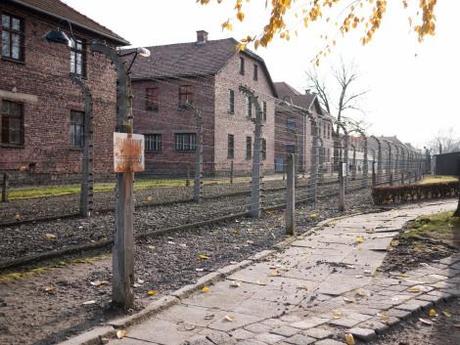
x=201, y=37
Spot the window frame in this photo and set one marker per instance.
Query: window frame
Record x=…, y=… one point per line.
x=248, y=148
x=231, y=101
x=264, y=111
x=9, y=116
x=151, y=145
x=152, y=101
x=242, y=65
x=188, y=92
x=249, y=106
x=289, y=122
x=255, y=75
x=230, y=148
x=11, y=32
x=74, y=52
x=73, y=125
x=192, y=143
x=263, y=148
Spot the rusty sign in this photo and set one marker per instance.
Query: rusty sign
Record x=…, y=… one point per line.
x=128, y=152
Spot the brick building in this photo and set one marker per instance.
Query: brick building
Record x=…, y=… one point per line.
x=208, y=74
x=293, y=131
x=41, y=108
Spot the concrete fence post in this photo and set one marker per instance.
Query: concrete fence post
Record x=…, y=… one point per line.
x=353, y=168
x=314, y=169
x=198, y=171
x=365, y=182
x=5, y=187
x=290, y=195
x=231, y=172
x=342, y=172
x=374, y=179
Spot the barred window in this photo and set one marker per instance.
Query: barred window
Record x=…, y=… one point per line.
x=241, y=65
x=12, y=37
x=263, y=149
x=248, y=147
x=291, y=125
x=77, y=128
x=152, y=99
x=248, y=106
x=152, y=142
x=264, y=111
x=256, y=72
x=231, y=146
x=185, y=95
x=185, y=142
x=231, y=101
x=12, y=123
x=77, y=57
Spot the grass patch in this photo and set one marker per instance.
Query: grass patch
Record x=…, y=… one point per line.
x=437, y=179
x=440, y=226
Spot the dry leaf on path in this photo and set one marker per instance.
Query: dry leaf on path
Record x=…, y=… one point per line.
x=336, y=314
x=205, y=289
x=446, y=313
x=50, y=236
x=348, y=300
x=98, y=283
x=209, y=316
x=89, y=302
x=152, y=292
x=349, y=339
x=432, y=312
x=414, y=289
x=50, y=289
x=203, y=257
x=359, y=239
x=228, y=318
x=426, y=321
x=122, y=333
x=235, y=284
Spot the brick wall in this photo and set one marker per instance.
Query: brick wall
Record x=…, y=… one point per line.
x=42, y=83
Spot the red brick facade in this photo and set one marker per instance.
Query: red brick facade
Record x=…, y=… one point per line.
x=41, y=83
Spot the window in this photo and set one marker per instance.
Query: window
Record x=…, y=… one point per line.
x=231, y=101
x=241, y=65
x=329, y=131
x=328, y=155
x=324, y=130
x=185, y=95
x=263, y=149
x=291, y=125
x=152, y=142
x=77, y=57
x=248, y=106
x=185, y=142
x=231, y=146
x=152, y=99
x=11, y=123
x=264, y=111
x=290, y=148
x=256, y=72
x=12, y=37
x=313, y=132
x=77, y=128
x=248, y=147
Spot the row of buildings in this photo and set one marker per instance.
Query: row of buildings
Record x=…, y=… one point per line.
x=42, y=110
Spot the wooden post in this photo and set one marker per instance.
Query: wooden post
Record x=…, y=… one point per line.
x=342, y=172
x=5, y=188
x=231, y=172
x=290, y=195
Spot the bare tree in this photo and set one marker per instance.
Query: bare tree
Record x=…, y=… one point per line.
x=341, y=97
x=445, y=141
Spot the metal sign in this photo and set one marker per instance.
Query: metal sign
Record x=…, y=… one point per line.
x=128, y=152
x=344, y=169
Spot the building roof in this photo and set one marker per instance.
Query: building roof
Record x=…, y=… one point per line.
x=287, y=93
x=62, y=11
x=190, y=60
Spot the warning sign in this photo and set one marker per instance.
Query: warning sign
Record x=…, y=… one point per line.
x=128, y=152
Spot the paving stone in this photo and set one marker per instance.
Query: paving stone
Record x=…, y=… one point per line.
x=273, y=323
x=375, y=324
x=264, y=309
x=258, y=328
x=363, y=309
x=285, y=331
x=269, y=338
x=453, y=291
x=329, y=342
x=365, y=334
x=191, y=314
x=242, y=334
x=238, y=320
x=249, y=342
x=337, y=284
x=349, y=319
x=318, y=332
x=431, y=298
x=412, y=305
x=309, y=322
x=163, y=332
x=399, y=313
x=300, y=339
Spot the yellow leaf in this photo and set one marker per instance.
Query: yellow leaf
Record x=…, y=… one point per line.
x=152, y=292
x=432, y=313
x=205, y=289
x=50, y=236
x=414, y=289
x=336, y=314
x=203, y=257
x=313, y=216
x=359, y=239
x=349, y=339
x=446, y=313
x=228, y=318
x=122, y=333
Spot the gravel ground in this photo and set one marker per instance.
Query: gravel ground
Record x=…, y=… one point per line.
x=44, y=308
x=40, y=237
x=445, y=329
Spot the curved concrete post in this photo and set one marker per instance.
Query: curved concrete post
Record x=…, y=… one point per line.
x=379, y=178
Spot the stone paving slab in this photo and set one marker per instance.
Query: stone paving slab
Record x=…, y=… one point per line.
x=313, y=291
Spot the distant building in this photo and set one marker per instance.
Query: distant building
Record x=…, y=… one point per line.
x=208, y=74
x=41, y=117
x=293, y=130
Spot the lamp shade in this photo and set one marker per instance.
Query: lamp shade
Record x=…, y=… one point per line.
x=57, y=37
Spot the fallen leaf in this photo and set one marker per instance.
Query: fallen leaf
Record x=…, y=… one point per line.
x=140, y=281
x=149, y=198
x=359, y=239
x=432, y=312
x=199, y=269
x=50, y=289
x=446, y=313
x=151, y=247
x=349, y=339
x=348, y=300
x=235, y=284
x=171, y=242
x=394, y=243
x=336, y=314
x=383, y=316
x=17, y=217
x=122, y=333
x=89, y=302
x=249, y=242
x=205, y=289
x=313, y=216
x=152, y=292
x=425, y=321
x=50, y=236
x=361, y=293
x=203, y=257
x=209, y=316
x=414, y=289
x=228, y=318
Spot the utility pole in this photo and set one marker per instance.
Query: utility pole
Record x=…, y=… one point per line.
x=87, y=183
x=255, y=203
x=123, y=248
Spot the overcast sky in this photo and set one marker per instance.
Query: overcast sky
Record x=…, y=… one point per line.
x=413, y=87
